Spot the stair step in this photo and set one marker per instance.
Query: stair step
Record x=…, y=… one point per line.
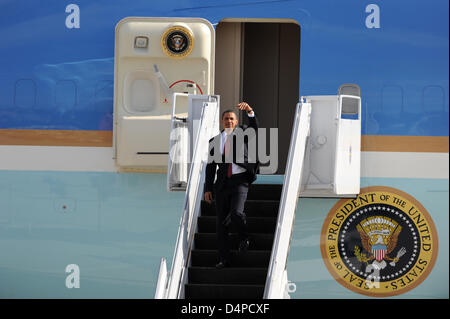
x=208, y=291
x=257, y=241
x=265, y=191
x=251, y=258
x=252, y=208
x=207, y=224
x=211, y=275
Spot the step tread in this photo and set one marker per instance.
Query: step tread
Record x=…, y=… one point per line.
x=228, y=268
x=207, y=224
x=225, y=285
x=265, y=251
x=258, y=241
x=254, y=218
x=234, y=291
x=252, y=208
x=265, y=191
x=229, y=275
x=249, y=259
x=250, y=235
x=251, y=201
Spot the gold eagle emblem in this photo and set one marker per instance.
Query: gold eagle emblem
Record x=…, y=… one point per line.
x=379, y=236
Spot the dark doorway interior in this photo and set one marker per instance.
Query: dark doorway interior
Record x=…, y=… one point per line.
x=259, y=62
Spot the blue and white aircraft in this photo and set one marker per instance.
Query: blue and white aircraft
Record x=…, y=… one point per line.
x=87, y=90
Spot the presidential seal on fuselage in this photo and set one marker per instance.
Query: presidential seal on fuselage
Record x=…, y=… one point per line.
x=177, y=41
x=382, y=243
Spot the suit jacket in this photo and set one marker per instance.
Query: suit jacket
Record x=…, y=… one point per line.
x=251, y=165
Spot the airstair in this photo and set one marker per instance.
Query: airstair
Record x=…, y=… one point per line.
x=261, y=272
x=247, y=276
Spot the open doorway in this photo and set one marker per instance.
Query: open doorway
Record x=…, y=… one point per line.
x=258, y=61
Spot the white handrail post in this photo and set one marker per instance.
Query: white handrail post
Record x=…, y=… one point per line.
x=161, y=287
x=192, y=202
x=170, y=163
x=276, y=280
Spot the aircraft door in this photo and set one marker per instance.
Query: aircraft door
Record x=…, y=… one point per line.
x=333, y=152
x=348, y=146
x=155, y=58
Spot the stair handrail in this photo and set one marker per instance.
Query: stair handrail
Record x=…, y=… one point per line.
x=192, y=201
x=276, y=280
x=162, y=280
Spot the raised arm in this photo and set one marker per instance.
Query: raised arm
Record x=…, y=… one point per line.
x=252, y=119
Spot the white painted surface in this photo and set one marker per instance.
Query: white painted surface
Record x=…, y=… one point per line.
x=99, y=159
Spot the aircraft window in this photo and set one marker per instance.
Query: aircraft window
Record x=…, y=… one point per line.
x=392, y=99
x=142, y=92
x=433, y=98
x=349, y=106
x=65, y=94
x=25, y=93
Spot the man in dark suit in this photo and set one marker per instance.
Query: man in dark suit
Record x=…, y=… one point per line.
x=237, y=170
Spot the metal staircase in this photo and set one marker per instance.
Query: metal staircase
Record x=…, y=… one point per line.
x=247, y=275
x=261, y=272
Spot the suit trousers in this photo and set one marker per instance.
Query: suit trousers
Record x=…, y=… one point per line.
x=230, y=201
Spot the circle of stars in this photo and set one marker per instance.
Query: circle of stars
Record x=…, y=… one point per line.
x=399, y=216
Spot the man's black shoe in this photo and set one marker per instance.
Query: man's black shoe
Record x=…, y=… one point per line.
x=243, y=245
x=222, y=264
x=227, y=221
